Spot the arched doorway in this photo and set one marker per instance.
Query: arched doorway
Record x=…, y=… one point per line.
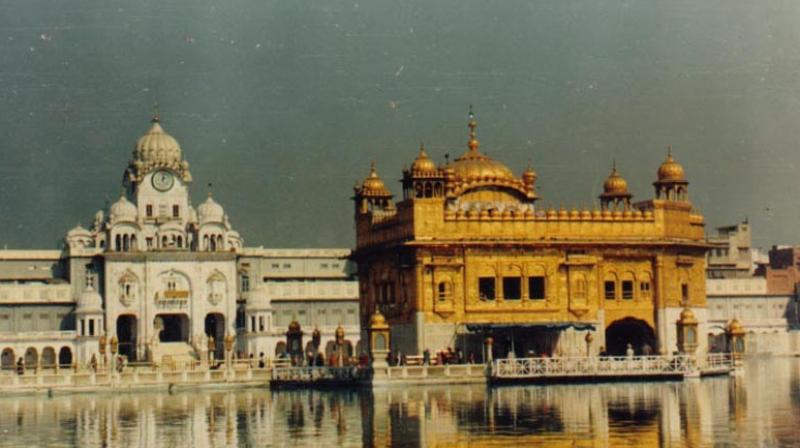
x=126, y=335
x=7, y=359
x=215, y=327
x=65, y=356
x=632, y=331
x=172, y=327
x=31, y=358
x=48, y=357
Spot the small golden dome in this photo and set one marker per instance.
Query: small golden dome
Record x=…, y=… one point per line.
x=735, y=327
x=615, y=185
x=687, y=316
x=670, y=170
x=423, y=164
x=377, y=320
x=529, y=175
x=373, y=185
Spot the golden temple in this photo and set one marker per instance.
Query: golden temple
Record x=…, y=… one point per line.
x=466, y=260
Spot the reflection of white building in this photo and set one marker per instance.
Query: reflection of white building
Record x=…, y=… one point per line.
x=157, y=273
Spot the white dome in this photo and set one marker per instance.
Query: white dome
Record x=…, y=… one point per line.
x=79, y=231
x=157, y=149
x=90, y=301
x=156, y=146
x=123, y=210
x=210, y=211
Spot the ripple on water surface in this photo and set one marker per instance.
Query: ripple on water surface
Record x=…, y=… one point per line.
x=760, y=408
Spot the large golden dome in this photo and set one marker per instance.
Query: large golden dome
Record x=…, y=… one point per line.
x=474, y=165
x=670, y=170
x=423, y=164
x=615, y=185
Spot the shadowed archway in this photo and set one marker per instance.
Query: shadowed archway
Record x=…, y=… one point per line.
x=632, y=331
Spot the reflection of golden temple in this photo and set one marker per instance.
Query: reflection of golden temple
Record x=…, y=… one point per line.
x=466, y=254
x=752, y=410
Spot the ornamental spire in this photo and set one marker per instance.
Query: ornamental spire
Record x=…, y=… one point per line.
x=472, y=124
x=156, y=113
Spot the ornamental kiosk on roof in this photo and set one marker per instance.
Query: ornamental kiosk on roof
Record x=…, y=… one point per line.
x=466, y=257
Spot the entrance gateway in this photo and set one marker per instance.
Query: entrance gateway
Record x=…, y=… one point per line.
x=524, y=340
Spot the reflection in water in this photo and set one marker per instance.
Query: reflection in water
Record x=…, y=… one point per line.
x=760, y=408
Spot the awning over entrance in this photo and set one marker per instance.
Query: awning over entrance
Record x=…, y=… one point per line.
x=485, y=328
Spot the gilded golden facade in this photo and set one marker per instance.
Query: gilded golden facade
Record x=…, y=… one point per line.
x=467, y=256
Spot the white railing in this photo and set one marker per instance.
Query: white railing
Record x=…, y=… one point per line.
x=719, y=361
x=592, y=366
x=110, y=376
x=311, y=374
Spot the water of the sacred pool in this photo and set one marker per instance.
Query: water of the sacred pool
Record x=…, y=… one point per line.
x=759, y=408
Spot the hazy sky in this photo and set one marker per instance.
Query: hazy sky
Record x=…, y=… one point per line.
x=282, y=104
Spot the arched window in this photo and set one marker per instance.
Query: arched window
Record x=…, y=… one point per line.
x=418, y=190
x=164, y=241
x=445, y=290
x=428, y=190
x=180, y=241
x=610, y=287
x=118, y=241
x=213, y=244
x=125, y=243
x=645, y=287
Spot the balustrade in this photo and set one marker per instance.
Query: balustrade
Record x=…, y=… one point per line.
x=599, y=366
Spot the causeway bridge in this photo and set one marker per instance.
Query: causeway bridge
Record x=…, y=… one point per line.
x=607, y=368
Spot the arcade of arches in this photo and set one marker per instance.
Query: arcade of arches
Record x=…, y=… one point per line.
x=47, y=357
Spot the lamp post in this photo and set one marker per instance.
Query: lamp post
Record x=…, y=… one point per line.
x=102, y=348
x=229, y=340
x=589, y=338
x=113, y=346
x=211, y=345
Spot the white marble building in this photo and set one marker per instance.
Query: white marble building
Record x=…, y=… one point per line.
x=154, y=272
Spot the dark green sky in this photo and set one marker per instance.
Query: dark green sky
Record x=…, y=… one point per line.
x=281, y=104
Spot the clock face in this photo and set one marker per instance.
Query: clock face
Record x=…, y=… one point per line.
x=163, y=180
